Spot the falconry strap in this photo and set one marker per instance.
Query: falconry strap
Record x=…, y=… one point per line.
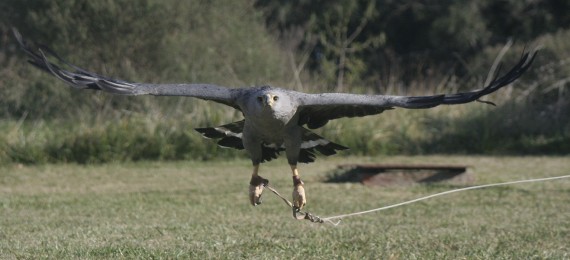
x=297, y=213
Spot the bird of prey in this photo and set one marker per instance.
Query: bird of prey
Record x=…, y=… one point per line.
x=275, y=119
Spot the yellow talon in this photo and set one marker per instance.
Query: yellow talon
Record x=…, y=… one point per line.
x=299, y=198
x=256, y=186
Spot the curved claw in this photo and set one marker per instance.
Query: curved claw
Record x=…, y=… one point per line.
x=256, y=186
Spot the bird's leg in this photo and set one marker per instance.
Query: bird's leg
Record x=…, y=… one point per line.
x=299, y=198
x=256, y=185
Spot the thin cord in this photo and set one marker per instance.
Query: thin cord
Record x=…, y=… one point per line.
x=340, y=217
x=297, y=213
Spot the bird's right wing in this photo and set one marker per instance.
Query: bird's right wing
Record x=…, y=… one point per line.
x=83, y=79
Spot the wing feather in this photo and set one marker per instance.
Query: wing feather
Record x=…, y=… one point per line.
x=315, y=110
x=83, y=79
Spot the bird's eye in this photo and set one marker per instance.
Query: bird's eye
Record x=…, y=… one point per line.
x=275, y=98
x=260, y=99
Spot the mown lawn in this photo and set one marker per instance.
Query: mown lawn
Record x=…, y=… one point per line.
x=200, y=210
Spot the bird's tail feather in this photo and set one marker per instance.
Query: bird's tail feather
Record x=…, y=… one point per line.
x=230, y=136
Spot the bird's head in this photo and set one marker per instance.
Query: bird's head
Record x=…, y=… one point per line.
x=275, y=103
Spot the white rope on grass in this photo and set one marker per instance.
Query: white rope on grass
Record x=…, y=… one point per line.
x=306, y=215
x=340, y=217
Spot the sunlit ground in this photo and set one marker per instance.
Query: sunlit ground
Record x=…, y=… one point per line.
x=200, y=209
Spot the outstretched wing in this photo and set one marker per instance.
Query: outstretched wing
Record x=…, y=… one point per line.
x=316, y=110
x=83, y=79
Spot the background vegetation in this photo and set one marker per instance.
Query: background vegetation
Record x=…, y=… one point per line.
x=383, y=46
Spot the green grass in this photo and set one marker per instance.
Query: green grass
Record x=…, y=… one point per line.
x=200, y=210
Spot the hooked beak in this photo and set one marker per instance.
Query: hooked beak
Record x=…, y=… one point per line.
x=267, y=100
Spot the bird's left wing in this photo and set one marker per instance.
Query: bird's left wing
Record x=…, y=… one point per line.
x=315, y=110
x=83, y=79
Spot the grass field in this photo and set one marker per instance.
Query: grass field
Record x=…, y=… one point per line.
x=200, y=210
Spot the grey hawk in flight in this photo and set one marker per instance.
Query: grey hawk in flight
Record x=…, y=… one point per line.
x=275, y=119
